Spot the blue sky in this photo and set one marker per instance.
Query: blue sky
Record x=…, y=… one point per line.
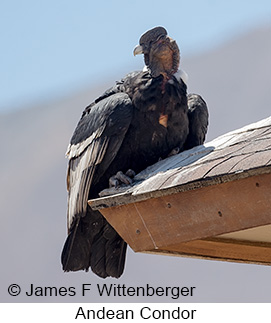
x=54, y=47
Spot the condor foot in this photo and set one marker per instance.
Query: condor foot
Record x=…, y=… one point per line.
x=120, y=178
x=118, y=183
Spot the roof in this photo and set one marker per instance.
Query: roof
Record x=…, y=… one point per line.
x=237, y=154
x=209, y=192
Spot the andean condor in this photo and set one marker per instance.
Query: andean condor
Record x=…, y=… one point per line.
x=142, y=118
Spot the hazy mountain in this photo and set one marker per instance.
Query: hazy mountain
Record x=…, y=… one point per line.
x=234, y=79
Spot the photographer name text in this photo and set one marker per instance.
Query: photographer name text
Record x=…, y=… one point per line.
x=121, y=290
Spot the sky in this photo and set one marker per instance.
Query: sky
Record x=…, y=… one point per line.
x=52, y=48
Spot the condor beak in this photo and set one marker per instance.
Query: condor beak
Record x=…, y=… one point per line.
x=138, y=50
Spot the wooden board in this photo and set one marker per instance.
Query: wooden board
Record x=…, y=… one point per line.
x=257, y=234
x=192, y=215
x=221, y=249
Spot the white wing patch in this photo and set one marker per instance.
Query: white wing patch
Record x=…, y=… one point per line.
x=75, y=178
x=77, y=150
x=89, y=154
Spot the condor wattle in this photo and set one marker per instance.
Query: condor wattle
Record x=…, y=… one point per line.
x=139, y=120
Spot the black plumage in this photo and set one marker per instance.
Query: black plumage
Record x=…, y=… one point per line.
x=141, y=119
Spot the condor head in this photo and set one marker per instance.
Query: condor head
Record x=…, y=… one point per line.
x=161, y=53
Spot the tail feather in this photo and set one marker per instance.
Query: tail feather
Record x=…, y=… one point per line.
x=108, y=253
x=76, y=250
x=97, y=258
x=115, y=258
x=92, y=242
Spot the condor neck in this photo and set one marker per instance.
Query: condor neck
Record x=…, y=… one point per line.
x=162, y=67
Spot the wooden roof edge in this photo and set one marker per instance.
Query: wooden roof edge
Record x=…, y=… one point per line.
x=132, y=194
x=128, y=197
